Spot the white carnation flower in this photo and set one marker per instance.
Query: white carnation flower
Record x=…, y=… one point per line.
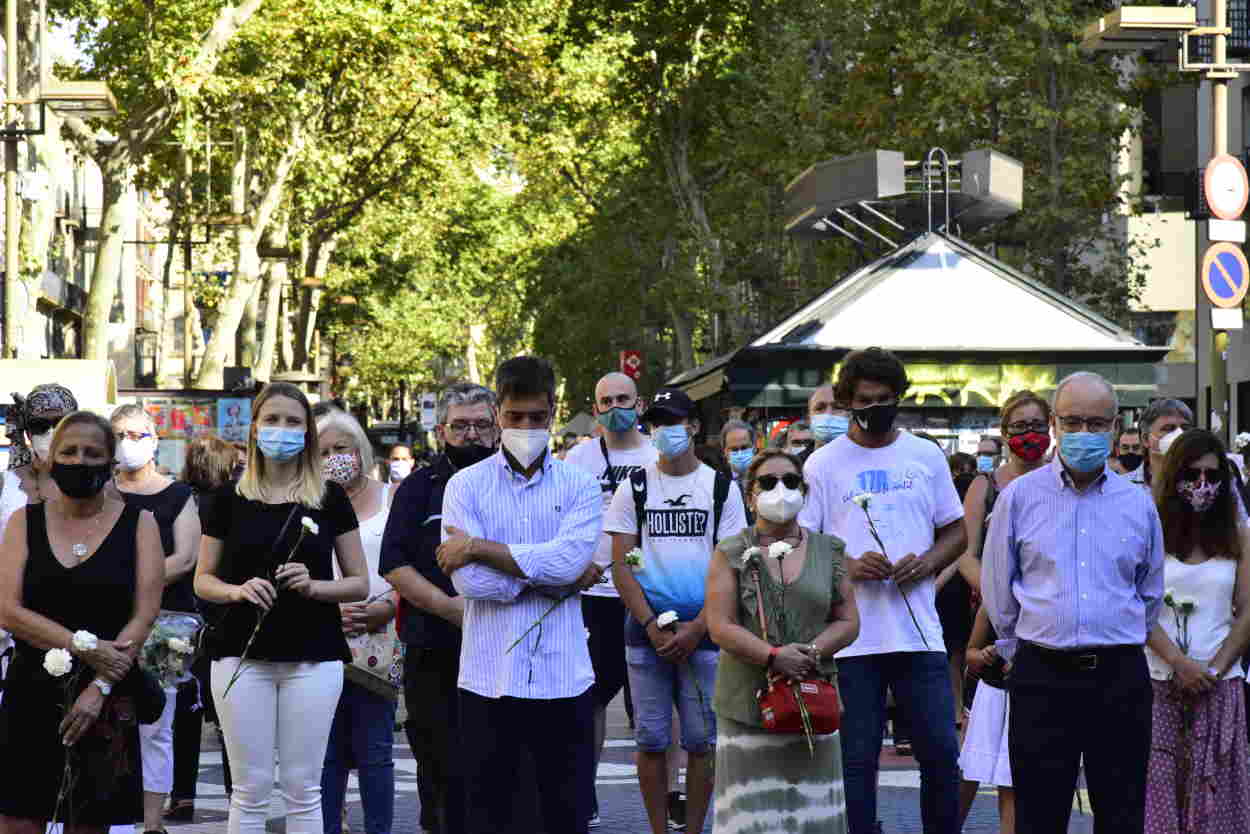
x=84, y=641
x=177, y=644
x=633, y=559
x=864, y=500
x=666, y=619
x=779, y=550
x=310, y=525
x=58, y=662
x=1169, y=597
x=752, y=553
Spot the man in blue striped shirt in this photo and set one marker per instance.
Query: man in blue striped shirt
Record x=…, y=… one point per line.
x=520, y=529
x=1072, y=580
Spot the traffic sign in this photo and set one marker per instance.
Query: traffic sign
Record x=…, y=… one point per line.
x=1233, y=231
x=1225, y=186
x=1225, y=274
x=429, y=406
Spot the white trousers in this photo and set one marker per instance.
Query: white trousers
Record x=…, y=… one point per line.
x=156, y=748
x=289, y=706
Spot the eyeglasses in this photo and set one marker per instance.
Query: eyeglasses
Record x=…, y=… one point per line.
x=461, y=427
x=1193, y=473
x=1094, y=424
x=40, y=425
x=132, y=435
x=769, y=482
x=1026, y=426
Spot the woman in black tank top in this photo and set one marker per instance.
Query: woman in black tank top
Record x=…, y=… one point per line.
x=82, y=562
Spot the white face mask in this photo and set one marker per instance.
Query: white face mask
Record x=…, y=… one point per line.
x=400, y=469
x=41, y=444
x=526, y=445
x=133, y=455
x=780, y=504
x=1168, y=439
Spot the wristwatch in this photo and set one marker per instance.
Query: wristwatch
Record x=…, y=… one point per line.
x=104, y=686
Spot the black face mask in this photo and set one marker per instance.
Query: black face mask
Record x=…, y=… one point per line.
x=81, y=480
x=462, y=456
x=876, y=419
x=1130, y=461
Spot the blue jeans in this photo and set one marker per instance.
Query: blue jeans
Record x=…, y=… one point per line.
x=657, y=685
x=921, y=685
x=361, y=737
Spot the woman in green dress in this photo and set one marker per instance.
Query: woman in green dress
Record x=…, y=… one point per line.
x=765, y=781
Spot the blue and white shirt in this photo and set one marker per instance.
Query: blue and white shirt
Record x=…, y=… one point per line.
x=551, y=524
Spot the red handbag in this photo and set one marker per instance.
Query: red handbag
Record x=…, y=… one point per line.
x=784, y=704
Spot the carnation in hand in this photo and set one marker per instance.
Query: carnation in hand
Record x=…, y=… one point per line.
x=58, y=662
x=668, y=618
x=84, y=641
x=779, y=550
x=310, y=525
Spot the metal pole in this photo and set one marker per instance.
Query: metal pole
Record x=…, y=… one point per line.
x=12, y=215
x=1219, y=146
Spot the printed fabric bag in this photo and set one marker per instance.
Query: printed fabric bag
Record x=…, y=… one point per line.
x=377, y=661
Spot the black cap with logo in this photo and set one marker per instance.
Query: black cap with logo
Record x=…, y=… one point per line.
x=670, y=402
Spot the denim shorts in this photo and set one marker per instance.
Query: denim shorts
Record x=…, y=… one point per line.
x=658, y=685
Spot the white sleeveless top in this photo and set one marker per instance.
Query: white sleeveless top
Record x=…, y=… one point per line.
x=371, y=530
x=1210, y=585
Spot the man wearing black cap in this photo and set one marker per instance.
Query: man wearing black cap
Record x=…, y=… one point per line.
x=675, y=511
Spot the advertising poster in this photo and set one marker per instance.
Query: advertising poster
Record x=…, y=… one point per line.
x=234, y=417
x=158, y=410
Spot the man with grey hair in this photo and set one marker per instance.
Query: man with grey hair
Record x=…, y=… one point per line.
x=1162, y=419
x=737, y=443
x=828, y=418
x=1072, y=579
x=432, y=612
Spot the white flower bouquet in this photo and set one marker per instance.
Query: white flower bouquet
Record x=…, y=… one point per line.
x=171, y=647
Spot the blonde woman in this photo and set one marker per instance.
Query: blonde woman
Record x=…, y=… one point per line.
x=267, y=553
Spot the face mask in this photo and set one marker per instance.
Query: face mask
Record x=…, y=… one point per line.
x=828, y=427
x=1030, y=446
x=1168, y=439
x=526, y=445
x=400, y=469
x=133, y=455
x=797, y=451
x=280, y=444
x=342, y=468
x=41, y=444
x=81, y=480
x=619, y=420
x=462, y=456
x=1130, y=461
x=1085, y=451
x=779, y=504
x=740, y=459
x=1201, y=495
x=671, y=441
x=876, y=419
x=985, y=463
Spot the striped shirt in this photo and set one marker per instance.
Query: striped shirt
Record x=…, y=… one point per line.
x=551, y=523
x=1067, y=569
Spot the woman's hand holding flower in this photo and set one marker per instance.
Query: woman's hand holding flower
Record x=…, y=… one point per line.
x=111, y=660
x=294, y=576
x=794, y=662
x=259, y=592
x=1192, y=677
x=81, y=715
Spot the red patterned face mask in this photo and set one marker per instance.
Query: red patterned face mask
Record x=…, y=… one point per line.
x=342, y=469
x=1029, y=446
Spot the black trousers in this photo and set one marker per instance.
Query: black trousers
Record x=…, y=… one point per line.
x=433, y=730
x=496, y=733
x=1064, y=706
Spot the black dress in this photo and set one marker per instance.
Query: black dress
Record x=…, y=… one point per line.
x=297, y=628
x=98, y=596
x=165, y=506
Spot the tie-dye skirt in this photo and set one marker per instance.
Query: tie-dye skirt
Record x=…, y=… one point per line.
x=769, y=782
x=1198, y=781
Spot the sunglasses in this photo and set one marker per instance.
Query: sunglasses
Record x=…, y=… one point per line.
x=40, y=425
x=769, y=482
x=1193, y=473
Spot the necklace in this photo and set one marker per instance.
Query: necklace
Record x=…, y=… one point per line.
x=79, y=549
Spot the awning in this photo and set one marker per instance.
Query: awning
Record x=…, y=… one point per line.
x=92, y=381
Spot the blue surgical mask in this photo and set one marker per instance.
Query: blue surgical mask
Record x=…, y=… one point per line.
x=619, y=420
x=278, y=443
x=828, y=427
x=985, y=463
x=740, y=459
x=671, y=441
x=1085, y=451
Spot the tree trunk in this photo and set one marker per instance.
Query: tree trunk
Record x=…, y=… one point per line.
x=275, y=286
x=108, y=263
x=316, y=264
x=247, y=348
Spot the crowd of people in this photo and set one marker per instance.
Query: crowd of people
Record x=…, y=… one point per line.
x=1071, y=599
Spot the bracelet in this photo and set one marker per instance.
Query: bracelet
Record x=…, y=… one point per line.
x=772, y=655
x=815, y=650
x=649, y=621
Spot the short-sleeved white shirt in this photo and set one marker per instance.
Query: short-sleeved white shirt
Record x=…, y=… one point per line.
x=911, y=495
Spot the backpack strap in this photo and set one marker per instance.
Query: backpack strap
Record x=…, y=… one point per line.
x=607, y=459
x=991, y=496
x=638, y=479
x=720, y=494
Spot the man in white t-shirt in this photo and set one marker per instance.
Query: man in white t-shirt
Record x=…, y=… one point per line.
x=916, y=510
x=618, y=452
x=685, y=507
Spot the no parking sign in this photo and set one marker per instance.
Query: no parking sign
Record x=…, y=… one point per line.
x=1225, y=274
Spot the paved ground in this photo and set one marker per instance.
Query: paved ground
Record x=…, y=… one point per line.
x=619, y=800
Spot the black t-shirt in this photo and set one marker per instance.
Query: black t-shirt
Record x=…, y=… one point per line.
x=297, y=628
x=166, y=506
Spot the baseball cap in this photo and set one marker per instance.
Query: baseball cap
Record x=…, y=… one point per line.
x=672, y=402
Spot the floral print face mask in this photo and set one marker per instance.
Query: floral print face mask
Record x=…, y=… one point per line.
x=1201, y=495
x=342, y=469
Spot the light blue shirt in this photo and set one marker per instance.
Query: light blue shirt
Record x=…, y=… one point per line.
x=551, y=523
x=1067, y=569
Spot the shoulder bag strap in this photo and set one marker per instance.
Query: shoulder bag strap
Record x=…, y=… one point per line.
x=607, y=459
x=638, y=480
x=759, y=602
x=720, y=494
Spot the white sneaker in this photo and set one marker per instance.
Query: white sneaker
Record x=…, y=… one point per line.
x=594, y=822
